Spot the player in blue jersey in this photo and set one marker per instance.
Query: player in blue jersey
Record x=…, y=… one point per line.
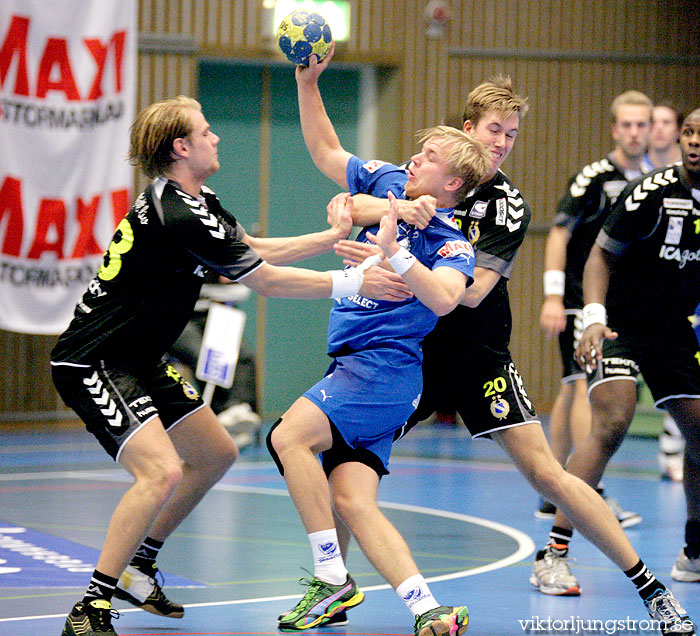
x=374, y=382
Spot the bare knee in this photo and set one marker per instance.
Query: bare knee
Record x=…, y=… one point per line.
x=161, y=479
x=547, y=478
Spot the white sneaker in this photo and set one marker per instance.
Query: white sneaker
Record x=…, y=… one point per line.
x=551, y=573
x=666, y=609
x=242, y=423
x=626, y=518
x=685, y=568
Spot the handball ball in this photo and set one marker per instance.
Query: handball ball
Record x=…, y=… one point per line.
x=303, y=33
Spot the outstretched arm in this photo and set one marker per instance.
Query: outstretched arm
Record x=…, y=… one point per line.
x=440, y=289
x=319, y=135
x=282, y=251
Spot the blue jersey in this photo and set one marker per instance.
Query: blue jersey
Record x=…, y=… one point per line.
x=358, y=323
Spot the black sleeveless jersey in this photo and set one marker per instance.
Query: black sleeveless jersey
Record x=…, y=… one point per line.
x=582, y=210
x=144, y=292
x=655, y=230
x=494, y=219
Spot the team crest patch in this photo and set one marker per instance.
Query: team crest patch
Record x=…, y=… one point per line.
x=674, y=231
x=500, y=408
x=189, y=391
x=473, y=233
x=373, y=165
x=456, y=248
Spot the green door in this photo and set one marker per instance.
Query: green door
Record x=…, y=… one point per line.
x=267, y=178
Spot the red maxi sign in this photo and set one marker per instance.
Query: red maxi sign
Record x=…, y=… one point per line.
x=67, y=98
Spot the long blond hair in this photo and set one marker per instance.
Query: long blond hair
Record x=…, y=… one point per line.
x=155, y=129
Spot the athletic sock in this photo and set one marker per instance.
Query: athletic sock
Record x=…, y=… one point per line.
x=145, y=556
x=559, y=539
x=101, y=586
x=416, y=594
x=692, y=538
x=646, y=583
x=328, y=561
x=560, y=536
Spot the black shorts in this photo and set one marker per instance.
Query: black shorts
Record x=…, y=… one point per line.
x=114, y=403
x=568, y=341
x=669, y=361
x=486, y=390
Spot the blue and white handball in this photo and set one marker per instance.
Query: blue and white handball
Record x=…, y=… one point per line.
x=302, y=34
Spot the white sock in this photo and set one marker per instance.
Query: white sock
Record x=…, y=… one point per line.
x=414, y=591
x=328, y=561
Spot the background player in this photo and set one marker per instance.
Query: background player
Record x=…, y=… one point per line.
x=582, y=210
x=645, y=270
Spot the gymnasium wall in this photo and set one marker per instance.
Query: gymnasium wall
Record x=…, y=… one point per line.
x=570, y=57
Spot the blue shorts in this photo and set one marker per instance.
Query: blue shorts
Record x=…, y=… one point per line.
x=368, y=395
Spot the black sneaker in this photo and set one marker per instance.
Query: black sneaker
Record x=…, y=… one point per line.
x=91, y=619
x=143, y=589
x=546, y=510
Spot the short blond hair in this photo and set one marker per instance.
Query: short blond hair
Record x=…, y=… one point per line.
x=495, y=94
x=469, y=159
x=155, y=129
x=630, y=98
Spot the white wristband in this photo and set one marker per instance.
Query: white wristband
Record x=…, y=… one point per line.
x=402, y=261
x=345, y=282
x=553, y=282
x=369, y=261
x=594, y=313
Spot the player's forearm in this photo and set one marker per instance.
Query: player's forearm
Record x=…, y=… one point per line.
x=484, y=281
x=596, y=275
x=319, y=135
x=440, y=291
x=555, y=249
x=368, y=210
x=286, y=250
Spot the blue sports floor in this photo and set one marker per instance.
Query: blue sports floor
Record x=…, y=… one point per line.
x=235, y=562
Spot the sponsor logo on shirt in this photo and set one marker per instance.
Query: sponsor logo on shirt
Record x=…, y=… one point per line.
x=670, y=253
x=501, y=210
x=456, y=248
x=373, y=165
x=674, y=231
x=681, y=204
x=478, y=210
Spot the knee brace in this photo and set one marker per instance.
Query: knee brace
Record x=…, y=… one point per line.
x=271, y=449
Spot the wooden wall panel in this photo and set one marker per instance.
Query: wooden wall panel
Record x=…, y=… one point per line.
x=570, y=62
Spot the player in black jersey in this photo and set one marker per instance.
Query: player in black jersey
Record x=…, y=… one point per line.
x=666, y=122
x=487, y=390
x=583, y=208
x=108, y=365
x=645, y=271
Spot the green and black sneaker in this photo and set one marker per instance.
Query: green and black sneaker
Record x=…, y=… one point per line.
x=321, y=602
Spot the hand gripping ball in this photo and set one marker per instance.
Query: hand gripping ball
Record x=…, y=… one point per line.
x=303, y=33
